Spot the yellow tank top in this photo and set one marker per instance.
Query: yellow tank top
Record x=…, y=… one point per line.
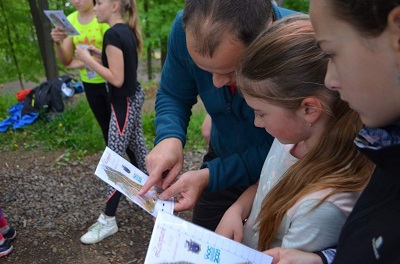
x=90, y=34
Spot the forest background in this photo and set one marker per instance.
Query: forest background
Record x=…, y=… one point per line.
x=27, y=58
x=27, y=50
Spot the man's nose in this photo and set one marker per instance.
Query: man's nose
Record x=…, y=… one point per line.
x=220, y=80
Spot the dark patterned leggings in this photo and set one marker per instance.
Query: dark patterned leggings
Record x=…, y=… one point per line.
x=126, y=132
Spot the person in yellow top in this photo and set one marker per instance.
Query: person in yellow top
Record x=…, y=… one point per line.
x=90, y=33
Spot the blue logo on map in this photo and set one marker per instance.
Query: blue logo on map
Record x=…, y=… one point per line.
x=213, y=254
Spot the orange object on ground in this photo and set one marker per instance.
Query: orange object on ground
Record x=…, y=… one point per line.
x=22, y=94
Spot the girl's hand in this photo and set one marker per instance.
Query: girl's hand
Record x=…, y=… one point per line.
x=231, y=224
x=58, y=35
x=82, y=54
x=95, y=52
x=292, y=256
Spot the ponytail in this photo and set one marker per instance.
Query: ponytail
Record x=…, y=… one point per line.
x=133, y=23
x=129, y=6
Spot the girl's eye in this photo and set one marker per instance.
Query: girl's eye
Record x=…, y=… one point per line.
x=328, y=56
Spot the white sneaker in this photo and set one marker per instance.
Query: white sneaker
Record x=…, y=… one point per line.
x=103, y=228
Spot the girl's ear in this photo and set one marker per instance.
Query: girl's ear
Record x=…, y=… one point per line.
x=115, y=6
x=393, y=26
x=310, y=109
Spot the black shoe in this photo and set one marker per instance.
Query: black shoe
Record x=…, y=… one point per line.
x=6, y=248
x=10, y=235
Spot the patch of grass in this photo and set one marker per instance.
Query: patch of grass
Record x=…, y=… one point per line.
x=150, y=88
x=149, y=128
x=76, y=131
x=195, y=140
x=6, y=101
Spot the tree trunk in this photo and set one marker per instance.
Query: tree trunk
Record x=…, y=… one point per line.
x=149, y=63
x=43, y=28
x=147, y=36
x=164, y=46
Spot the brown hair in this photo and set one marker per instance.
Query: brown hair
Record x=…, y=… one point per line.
x=129, y=6
x=211, y=21
x=367, y=16
x=283, y=66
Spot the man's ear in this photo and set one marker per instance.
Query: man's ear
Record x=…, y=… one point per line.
x=311, y=109
x=393, y=25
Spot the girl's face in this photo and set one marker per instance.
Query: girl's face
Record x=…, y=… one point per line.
x=82, y=5
x=363, y=70
x=281, y=123
x=103, y=10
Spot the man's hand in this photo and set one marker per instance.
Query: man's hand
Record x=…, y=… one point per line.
x=163, y=163
x=187, y=189
x=292, y=256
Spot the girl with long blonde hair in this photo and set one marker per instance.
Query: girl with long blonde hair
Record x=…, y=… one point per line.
x=313, y=173
x=362, y=40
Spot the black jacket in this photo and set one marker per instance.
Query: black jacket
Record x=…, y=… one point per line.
x=371, y=234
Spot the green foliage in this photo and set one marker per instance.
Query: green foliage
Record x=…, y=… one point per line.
x=19, y=51
x=19, y=48
x=157, y=20
x=298, y=5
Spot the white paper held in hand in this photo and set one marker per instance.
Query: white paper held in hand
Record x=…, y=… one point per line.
x=127, y=179
x=90, y=73
x=175, y=240
x=58, y=19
